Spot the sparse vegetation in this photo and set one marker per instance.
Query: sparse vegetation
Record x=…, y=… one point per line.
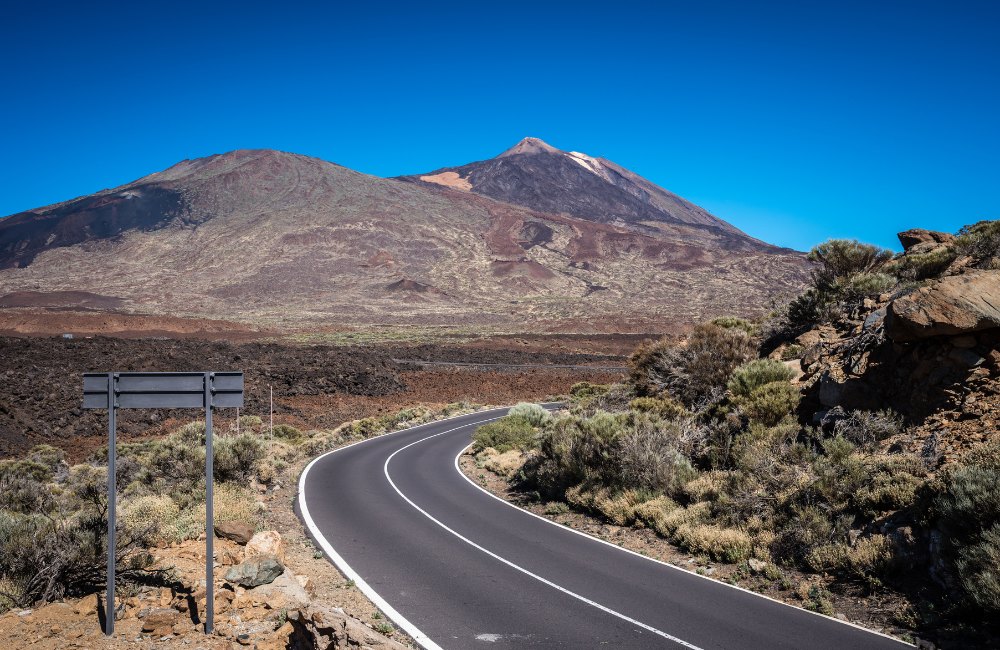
x=53, y=517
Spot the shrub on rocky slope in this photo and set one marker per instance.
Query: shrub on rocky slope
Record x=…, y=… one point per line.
x=860, y=444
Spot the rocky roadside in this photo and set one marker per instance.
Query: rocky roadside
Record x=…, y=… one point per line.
x=881, y=612
x=274, y=590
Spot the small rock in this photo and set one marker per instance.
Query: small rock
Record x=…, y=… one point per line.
x=237, y=531
x=757, y=566
x=254, y=573
x=160, y=621
x=265, y=544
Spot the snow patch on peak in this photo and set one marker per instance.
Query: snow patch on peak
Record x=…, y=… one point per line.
x=593, y=165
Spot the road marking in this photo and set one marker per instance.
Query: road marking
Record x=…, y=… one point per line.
x=345, y=568
x=666, y=564
x=584, y=599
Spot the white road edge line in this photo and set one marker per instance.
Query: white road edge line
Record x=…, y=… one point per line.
x=608, y=610
x=345, y=568
x=668, y=564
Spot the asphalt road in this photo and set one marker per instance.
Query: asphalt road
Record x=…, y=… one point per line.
x=458, y=568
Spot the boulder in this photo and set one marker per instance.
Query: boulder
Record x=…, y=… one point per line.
x=950, y=306
x=255, y=572
x=284, y=593
x=265, y=544
x=910, y=238
x=160, y=621
x=237, y=531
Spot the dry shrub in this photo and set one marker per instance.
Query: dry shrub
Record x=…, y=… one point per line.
x=664, y=407
x=706, y=487
x=151, y=512
x=721, y=544
x=870, y=556
x=653, y=513
x=694, y=372
x=506, y=464
x=865, y=428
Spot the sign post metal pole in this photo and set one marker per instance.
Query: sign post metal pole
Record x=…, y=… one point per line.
x=140, y=390
x=109, y=599
x=209, y=511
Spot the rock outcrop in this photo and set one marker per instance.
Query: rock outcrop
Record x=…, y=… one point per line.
x=914, y=236
x=950, y=306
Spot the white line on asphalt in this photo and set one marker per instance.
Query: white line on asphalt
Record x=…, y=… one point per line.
x=608, y=610
x=667, y=564
x=345, y=568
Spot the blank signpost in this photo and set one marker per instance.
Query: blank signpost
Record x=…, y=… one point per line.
x=208, y=390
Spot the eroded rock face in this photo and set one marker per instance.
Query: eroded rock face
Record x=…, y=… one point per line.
x=914, y=236
x=951, y=306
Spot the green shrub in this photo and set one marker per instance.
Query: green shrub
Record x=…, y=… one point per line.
x=45, y=558
x=806, y=527
x=981, y=242
x=770, y=403
x=892, y=485
x=533, y=414
x=236, y=457
x=869, y=556
x=585, y=389
x=754, y=374
x=664, y=407
x=921, y=266
x=809, y=308
x=862, y=285
x=509, y=432
x=793, y=351
x=841, y=258
x=730, y=322
x=968, y=514
x=287, y=432
x=23, y=486
x=978, y=566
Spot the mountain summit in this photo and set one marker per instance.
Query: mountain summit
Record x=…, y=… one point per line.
x=538, y=176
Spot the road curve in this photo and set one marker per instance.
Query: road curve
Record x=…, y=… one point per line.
x=457, y=568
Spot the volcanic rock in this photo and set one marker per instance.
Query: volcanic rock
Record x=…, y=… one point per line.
x=254, y=573
x=914, y=236
x=237, y=531
x=952, y=305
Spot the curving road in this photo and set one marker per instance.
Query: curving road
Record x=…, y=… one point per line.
x=458, y=568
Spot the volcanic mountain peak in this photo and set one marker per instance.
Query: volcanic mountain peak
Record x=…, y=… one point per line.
x=536, y=175
x=529, y=146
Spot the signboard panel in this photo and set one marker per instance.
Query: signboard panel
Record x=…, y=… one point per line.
x=164, y=390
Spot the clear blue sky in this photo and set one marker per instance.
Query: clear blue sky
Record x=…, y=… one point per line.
x=796, y=121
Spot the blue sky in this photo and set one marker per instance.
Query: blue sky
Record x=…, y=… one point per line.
x=796, y=121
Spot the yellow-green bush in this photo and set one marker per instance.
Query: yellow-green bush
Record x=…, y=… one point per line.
x=664, y=407
x=721, y=544
x=759, y=372
x=509, y=432
x=770, y=403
